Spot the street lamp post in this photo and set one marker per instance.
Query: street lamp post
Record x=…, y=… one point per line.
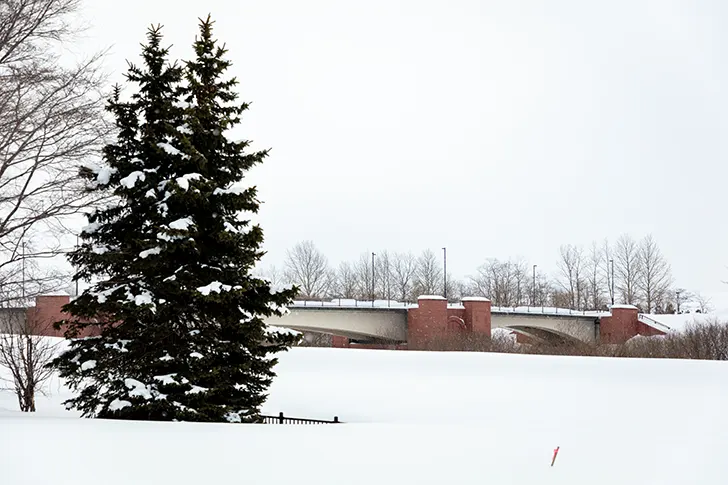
x=611, y=261
x=444, y=266
x=533, y=287
x=372, y=279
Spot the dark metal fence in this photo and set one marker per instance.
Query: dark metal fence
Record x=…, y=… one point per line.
x=281, y=419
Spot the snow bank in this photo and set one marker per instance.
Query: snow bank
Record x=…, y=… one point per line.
x=411, y=417
x=680, y=322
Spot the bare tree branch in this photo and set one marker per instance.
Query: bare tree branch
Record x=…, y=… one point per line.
x=655, y=277
x=504, y=282
x=307, y=268
x=51, y=124
x=25, y=355
x=428, y=278
x=571, y=279
x=627, y=269
x=403, y=271
x=346, y=281
x=595, y=278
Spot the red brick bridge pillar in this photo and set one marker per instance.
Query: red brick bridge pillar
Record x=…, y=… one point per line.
x=432, y=318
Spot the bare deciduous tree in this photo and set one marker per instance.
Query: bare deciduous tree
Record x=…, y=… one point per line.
x=346, y=281
x=627, y=269
x=364, y=277
x=383, y=275
x=25, y=356
x=595, y=278
x=308, y=268
x=274, y=276
x=570, y=265
x=428, y=278
x=655, y=277
x=543, y=290
x=501, y=281
x=703, y=303
x=51, y=122
x=403, y=273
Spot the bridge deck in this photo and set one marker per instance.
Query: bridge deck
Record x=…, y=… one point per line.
x=389, y=323
x=401, y=306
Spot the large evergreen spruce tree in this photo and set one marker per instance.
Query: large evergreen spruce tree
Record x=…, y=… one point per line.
x=181, y=318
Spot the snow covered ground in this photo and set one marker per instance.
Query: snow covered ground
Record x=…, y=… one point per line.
x=411, y=418
x=682, y=321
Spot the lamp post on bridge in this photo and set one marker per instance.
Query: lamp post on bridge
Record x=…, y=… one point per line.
x=372, y=280
x=444, y=270
x=533, y=287
x=677, y=301
x=611, y=261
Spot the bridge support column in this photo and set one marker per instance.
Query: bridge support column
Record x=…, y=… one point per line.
x=620, y=326
x=426, y=321
x=477, y=315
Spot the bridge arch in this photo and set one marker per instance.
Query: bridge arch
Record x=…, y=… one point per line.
x=568, y=328
x=542, y=335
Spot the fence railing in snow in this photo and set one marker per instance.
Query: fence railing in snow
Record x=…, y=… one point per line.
x=281, y=419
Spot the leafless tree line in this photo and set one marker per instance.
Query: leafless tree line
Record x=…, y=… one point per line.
x=378, y=275
x=627, y=271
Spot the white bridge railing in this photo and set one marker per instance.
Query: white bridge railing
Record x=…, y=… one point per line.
x=653, y=323
x=398, y=305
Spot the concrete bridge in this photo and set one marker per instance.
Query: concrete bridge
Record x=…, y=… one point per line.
x=549, y=327
x=414, y=325
x=392, y=322
x=354, y=323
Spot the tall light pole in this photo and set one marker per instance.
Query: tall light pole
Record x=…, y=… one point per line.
x=677, y=300
x=533, y=287
x=611, y=261
x=372, y=279
x=444, y=266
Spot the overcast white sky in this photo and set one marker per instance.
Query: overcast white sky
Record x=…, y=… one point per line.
x=496, y=128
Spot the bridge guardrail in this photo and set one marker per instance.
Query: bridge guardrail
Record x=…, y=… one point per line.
x=384, y=304
x=653, y=323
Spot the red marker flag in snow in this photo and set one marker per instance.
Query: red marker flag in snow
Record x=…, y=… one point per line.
x=556, y=452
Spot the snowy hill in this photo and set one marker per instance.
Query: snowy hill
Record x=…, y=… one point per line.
x=680, y=322
x=412, y=418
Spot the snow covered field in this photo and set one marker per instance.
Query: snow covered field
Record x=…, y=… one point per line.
x=411, y=418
